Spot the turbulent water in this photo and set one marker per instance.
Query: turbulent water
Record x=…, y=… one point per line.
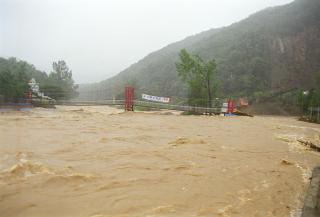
x=98, y=161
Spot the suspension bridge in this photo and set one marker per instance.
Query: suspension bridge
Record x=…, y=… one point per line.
x=146, y=104
x=129, y=103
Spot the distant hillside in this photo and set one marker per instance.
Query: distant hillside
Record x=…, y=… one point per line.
x=272, y=51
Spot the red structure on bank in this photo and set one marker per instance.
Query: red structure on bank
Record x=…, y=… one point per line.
x=230, y=106
x=129, y=96
x=29, y=97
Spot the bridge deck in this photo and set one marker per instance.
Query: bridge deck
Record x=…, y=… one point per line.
x=146, y=104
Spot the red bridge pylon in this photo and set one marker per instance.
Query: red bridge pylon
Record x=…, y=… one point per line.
x=230, y=106
x=129, y=95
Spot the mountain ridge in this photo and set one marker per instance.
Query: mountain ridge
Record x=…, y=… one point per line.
x=273, y=50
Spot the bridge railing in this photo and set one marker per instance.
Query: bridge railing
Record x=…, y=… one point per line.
x=148, y=104
x=88, y=102
x=177, y=107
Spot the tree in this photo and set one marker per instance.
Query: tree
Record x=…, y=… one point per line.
x=200, y=77
x=315, y=93
x=61, y=71
x=15, y=75
x=13, y=79
x=60, y=84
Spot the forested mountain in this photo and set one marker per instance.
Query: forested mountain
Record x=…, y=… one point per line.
x=273, y=51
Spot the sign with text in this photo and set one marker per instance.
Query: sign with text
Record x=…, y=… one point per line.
x=156, y=98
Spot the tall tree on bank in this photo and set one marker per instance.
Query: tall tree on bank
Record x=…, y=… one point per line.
x=200, y=77
x=13, y=79
x=60, y=84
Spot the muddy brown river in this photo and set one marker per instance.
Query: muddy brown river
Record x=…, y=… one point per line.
x=101, y=162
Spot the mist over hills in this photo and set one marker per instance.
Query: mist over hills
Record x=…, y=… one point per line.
x=272, y=51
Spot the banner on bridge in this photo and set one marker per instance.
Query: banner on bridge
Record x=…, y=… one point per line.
x=156, y=98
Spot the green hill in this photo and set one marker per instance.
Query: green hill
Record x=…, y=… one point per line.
x=273, y=51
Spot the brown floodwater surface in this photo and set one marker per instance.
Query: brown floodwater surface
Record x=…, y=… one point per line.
x=99, y=161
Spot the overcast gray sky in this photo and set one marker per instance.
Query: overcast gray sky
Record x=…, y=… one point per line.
x=100, y=38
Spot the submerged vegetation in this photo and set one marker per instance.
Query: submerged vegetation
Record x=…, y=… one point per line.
x=15, y=75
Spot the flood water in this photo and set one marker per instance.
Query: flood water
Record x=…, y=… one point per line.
x=99, y=162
